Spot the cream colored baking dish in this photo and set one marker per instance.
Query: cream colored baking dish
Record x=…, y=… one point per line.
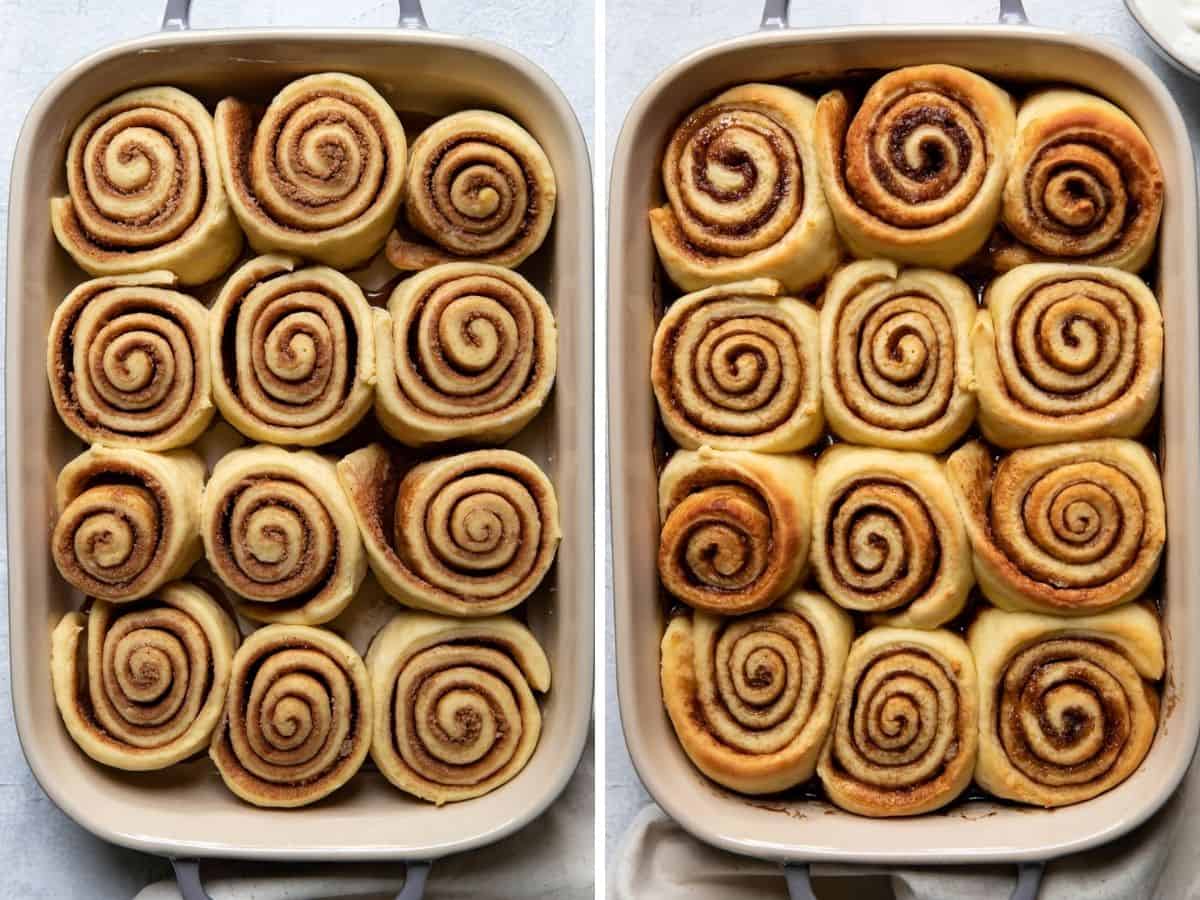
x=187, y=811
x=796, y=831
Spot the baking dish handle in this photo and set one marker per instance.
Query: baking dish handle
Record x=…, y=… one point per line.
x=1029, y=880
x=775, y=13
x=191, y=887
x=414, y=881
x=178, y=13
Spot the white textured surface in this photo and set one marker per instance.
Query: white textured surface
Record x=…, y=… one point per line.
x=44, y=854
x=645, y=36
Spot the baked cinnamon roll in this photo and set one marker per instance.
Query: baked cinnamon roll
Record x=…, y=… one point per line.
x=293, y=352
x=455, y=712
x=735, y=527
x=466, y=350
x=1068, y=706
x=298, y=718
x=752, y=698
x=466, y=535
x=145, y=687
x=1085, y=185
x=906, y=732
x=145, y=192
x=896, y=367
x=1066, y=352
x=735, y=367
x=127, y=521
x=319, y=173
x=743, y=196
x=1069, y=529
x=128, y=363
x=480, y=187
x=916, y=173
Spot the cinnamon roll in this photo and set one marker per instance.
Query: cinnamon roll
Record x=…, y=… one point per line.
x=1069, y=529
x=480, y=187
x=743, y=196
x=466, y=535
x=1085, y=185
x=1067, y=352
x=735, y=367
x=145, y=192
x=906, y=730
x=145, y=688
x=298, y=718
x=466, y=350
x=320, y=173
x=888, y=538
x=455, y=712
x=127, y=521
x=752, y=698
x=916, y=173
x=735, y=527
x=280, y=533
x=293, y=352
x=895, y=356
x=128, y=363
x=1068, y=709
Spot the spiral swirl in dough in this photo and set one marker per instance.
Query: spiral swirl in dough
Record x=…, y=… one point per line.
x=127, y=521
x=466, y=535
x=293, y=352
x=153, y=678
x=319, y=174
x=916, y=174
x=896, y=368
x=1068, y=529
x=298, y=718
x=280, y=533
x=466, y=350
x=145, y=190
x=906, y=733
x=128, y=363
x=735, y=367
x=735, y=527
x=455, y=712
x=480, y=187
x=1068, y=710
x=752, y=698
x=888, y=537
x=1067, y=352
x=1085, y=185
x=743, y=196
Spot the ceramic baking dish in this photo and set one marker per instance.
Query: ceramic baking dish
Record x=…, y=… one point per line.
x=186, y=811
x=795, y=831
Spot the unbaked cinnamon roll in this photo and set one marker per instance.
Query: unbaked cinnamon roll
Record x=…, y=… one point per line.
x=916, y=173
x=293, y=352
x=906, y=732
x=1068, y=708
x=896, y=365
x=455, y=712
x=127, y=521
x=128, y=363
x=466, y=535
x=466, y=350
x=1067, y=352
x=480, y=187
x=146, y=687
x=735, y=527
x=298, y=718
x=1069, y=529
x=752, y=698
x=1085, y=185
x=319, y=173
x=735, y=367
x=145, y=190
x=279, y=532
x=743, y=196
